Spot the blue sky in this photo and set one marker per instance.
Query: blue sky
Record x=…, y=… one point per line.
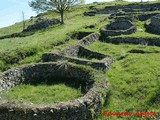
x=11, y=11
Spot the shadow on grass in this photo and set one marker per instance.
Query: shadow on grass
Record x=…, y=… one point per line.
x=28, y=33
x=20, y=34
x=70, y=82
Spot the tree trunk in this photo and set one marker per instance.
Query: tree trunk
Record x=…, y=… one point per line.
x=62, y=18
x=24, y=25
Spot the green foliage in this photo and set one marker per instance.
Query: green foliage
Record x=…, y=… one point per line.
x=60, y=5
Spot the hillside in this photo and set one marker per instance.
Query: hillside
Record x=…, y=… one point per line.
x=133, y=77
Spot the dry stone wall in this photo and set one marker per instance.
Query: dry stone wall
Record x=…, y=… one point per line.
x=103, y=64
x=118, y=28
x=42, y=24
x=134, y=40
x=83, y=108
x=89, y=39
x=135, y=7
x=154, y=25
x=70, y=52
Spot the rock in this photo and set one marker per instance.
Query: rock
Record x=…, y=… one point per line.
x=118, y=27
x=42, y=23
x=153, y=25
x=90, y=13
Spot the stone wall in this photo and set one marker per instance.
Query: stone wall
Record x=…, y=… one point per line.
x=102, y=64
x=89, y=39
x=42, y=24
x=12, y=35
x=73, y=50
x=154, y=25
x=78, y=50
x=83, y=108
x=119, y=25
x=146, y=16
x=79, y=35
x=84, y=52
x=122, y=18
x=90, y=13
x=135, y=7
x=118, y=28
x=134, y=40
x=70, y=52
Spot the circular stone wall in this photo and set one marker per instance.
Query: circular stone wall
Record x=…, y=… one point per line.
x=153, y=25
x=83, y=108
x=118, y=28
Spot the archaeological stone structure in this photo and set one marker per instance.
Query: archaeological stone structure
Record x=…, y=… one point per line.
x=42, y=23
x=95, y=84
x=79, y=35
x=118, y=27
x=103, y=62
x=134, y=8
x=77, y=62
x=153, y=25
x=70, y=53
x=82, y=108
x=134, y=40
x=90, y=13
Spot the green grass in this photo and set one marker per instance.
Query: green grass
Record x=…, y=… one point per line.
x=15, y=49
x=41, y=94
x=119, y=50
x=134, y=79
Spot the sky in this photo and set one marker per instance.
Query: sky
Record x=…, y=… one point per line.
x=11, y=10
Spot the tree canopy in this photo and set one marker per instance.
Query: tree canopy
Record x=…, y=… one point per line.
x=60, y=5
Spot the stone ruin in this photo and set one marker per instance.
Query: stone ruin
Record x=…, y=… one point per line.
x=153, y=25
x=70, y=53
x=84, y=55
x=130, y=8
x=79, y=35
x=118, y=27
x=82, y=108
x=95, y=84
x=90, y=13
x=41, y=23
x=122, y=18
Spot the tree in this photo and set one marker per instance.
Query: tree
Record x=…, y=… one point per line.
x=60, y=5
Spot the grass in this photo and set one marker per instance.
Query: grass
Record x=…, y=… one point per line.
x=118, y=50
x=41, y=94
x=15, y=49
x=134, y=79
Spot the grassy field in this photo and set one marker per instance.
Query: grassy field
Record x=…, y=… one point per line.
x=13, y=50
x=41, y=94
x=134, y=78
